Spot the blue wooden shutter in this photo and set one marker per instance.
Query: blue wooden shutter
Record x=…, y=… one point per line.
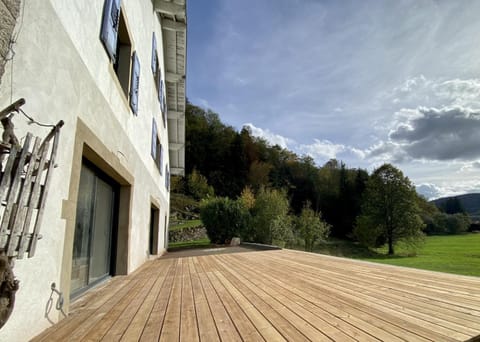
x=160, y=162
x=109, y=34
x=154, y=140
x=164, y=113
x=154, y=54
x=134, y=83
x=160, y=93
x=167, y=177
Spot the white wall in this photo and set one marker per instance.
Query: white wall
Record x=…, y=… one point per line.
x=62, y=70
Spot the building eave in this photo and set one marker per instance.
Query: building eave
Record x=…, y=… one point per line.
x=174, y=31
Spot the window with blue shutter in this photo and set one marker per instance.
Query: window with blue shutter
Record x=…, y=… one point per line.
x=154, y=140
x=156, y=148
x=110, y=23
x=134, y=83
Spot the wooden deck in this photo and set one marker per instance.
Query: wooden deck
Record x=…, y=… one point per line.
x=275, y=296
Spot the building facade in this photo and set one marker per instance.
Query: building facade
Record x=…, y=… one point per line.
x=114, y=72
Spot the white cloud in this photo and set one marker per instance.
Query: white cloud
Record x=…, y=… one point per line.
x=429, y=191
x=435, y=92
x=321, y=149
x=202, y=103
x=272, y=138
x=445, y=189
x=470, y=166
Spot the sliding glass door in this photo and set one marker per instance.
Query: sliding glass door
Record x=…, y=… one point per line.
x=92, y=246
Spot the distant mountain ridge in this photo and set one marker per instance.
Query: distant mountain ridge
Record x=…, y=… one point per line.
x=469, y=202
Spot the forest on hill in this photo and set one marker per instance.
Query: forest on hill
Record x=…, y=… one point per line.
x=231, y=160
x=469, y=203
x=221, y=161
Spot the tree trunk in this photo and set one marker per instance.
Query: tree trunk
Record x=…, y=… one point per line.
x=390, y=246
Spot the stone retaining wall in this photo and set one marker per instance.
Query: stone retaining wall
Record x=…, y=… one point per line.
x=187, y=234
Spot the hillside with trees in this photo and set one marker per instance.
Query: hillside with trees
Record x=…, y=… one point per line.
x=468, y=203
x=228, y=161
x=265, y=193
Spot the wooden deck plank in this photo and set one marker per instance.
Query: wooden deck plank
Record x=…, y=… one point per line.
x=225, y=327
x=453, y=281
x=67, y=327
x=136, y=327
x=274, y=296
x=206, y=325
x=447, y=293
x=188, y=318
x=327, y=318
x=264, y=327
x=154, y=323
x=378, y=305
x=282, y=297
x=420, y=309
x=391, y=322
x=171, y=324
x=341, y=310
x=123, y=321
x=244, y=326
x=97, y=325
x=291, y=330
x=367, y=294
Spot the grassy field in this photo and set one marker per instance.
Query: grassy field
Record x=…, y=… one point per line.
x=189, y=244
x=459, y=254
x=188, y=224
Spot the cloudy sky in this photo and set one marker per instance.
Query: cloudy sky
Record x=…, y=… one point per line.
x=365, y=82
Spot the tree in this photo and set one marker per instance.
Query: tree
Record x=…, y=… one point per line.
x=442, y=223
x=389, y=211
x=198, y=186
x=258, y=174
x=247, y=198
x=270, y=204
x=310, y=227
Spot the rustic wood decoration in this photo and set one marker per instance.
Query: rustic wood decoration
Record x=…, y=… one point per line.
x=24, y=182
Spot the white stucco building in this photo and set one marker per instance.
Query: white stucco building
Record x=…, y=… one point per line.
x=114, y=72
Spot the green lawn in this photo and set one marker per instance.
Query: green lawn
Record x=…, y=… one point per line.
x=188, y=224
x=459, y=254
x=189, y=244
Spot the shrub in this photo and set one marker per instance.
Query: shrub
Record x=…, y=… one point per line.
x=310, y=227
x=281, y=229
x=223, y=218
x=269, y=206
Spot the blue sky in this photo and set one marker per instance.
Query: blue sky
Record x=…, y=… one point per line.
x=365, y=82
